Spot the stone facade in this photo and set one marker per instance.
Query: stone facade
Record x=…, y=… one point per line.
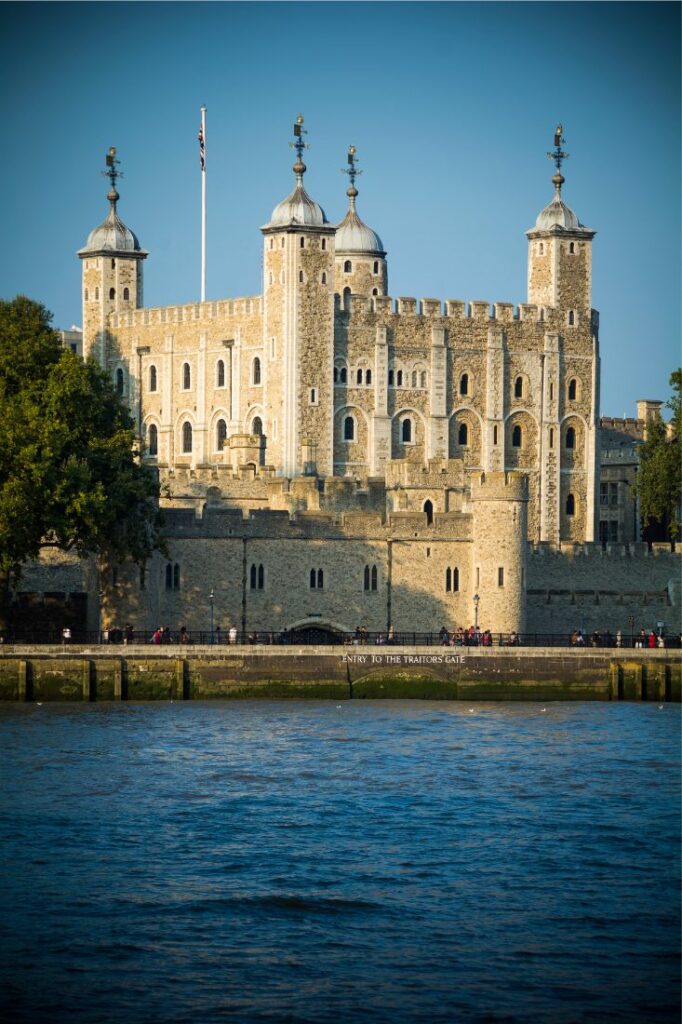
x=323, y=427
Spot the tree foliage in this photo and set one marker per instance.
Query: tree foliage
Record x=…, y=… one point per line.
x=69, y=470
x=659, y=486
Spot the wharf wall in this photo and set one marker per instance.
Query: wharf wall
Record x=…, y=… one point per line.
x=88, y=674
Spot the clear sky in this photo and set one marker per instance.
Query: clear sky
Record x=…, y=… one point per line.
x=451, y=106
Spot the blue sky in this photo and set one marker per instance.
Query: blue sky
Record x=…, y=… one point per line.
x=451, y=106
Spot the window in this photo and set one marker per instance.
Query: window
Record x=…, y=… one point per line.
x=572, y=389
x=316, y=579
x=518, y=387
x=347, y=267
x=343, y=375
x=516, y=437
x=186, y=376
x=571, y=248
x=323, y=278
x=375, y=291
x=152, y=378
x=271, y=278
x=112, y=293
x=451, y=580
x=324, y=244
x=119, y=381
x=126, y=293
x=551, y=392
x=153, y=439
x=370, y=577
x=500, y=576
x=541, y=248
x=257, y=577
x=376, y=267
x=406, y=431
x=349, y=429
x=113, y=264
x=301, y=276
x=399, y=378
x=603, y=494
x=272, y=347
x=96, y=294
x=464, y=384
x=571, y=318
x=422, y=379
x=463, y=434
x=312, y=398
x=220, y=374
x=87, y=295
x=551, y=437
x=570, y=437
x=302, y=243
x=390, y=378
x=455, y=580
x=272, y=243
x=220, y=435
x=255, y=371
x=570, y=505
x=374, y=577
x=257, y=426
x=368, y=376
x=414, y=378
x=336, y=375
x=172, y=576
x=428, y=508
x=346, y=298
x=613, y=494
x=358, y=377
x=495, y=435
x=448, y=579
x=186, y=438
x=542, y=316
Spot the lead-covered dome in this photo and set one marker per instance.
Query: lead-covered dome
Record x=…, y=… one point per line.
x=112, y=235
x=557, y=215
x=353, y=236
x=298, y=208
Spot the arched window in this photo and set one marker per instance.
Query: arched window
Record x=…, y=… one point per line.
x=336, y=375
x=349, y=429
x=261, y=577
x=368, y=376
x=255, y=371
x=324, y=244
x=112, y=293
x=571, y=318
x=570, y=437
x=455, y=579
x=399, y=378
x=551, y=437
x=347, y=267
x=414, y=378
x=320, y=579
x=220, y=374
x=448, y=579
x=406, y=431
x=176, y=577
x=301, y=276
x=375, y=291
x=572, y=389
x=366, y=577
x=374, y=577
x=495, y=435
x=119, y=381
x=257, y=426
x=571, y=248
x=313, y=579
x=516, y=437
x=126, y=293
x=570, y=505
x=302, y=243
x=169, y=576
x=220, y=435
x=257, y=577
x=376, y=267
x=153, y=439
x=113, y=264
x=428, y=508
x=358, y=377
x=464, y=384
x=518, y=387
x=422, y=380
x=186, y=376
x=323, y=279
x=541, y=248
x=390, y=378
x=343, y=375
x=463, y=434
x=551, y=392
x=152, y=378
x=186, y=438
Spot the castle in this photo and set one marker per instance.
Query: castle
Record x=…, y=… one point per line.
x=329, y=455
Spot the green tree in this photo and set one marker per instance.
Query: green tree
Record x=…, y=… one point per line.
x=69, y=469
x=659, y=485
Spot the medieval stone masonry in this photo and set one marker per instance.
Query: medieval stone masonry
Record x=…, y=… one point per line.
x=331, y=455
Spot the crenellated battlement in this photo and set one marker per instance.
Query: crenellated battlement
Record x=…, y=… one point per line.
x=639, y=550
x=503, y=486
x=250, y=305
x=438, y=473
x=475, y=310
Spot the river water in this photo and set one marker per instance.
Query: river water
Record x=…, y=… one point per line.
x=313, y=862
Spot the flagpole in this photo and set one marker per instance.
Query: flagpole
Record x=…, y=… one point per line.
x=203, y=207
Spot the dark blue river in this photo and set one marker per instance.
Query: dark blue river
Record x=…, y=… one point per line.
x=309, y=862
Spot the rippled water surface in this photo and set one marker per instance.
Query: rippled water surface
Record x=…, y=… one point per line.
x=373, y=861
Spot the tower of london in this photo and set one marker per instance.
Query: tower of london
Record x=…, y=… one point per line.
x=329, y=454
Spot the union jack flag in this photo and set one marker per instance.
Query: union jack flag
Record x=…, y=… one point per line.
x=202, y=149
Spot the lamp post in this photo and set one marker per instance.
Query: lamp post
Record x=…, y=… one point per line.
x=210, y=597
x=476, y=600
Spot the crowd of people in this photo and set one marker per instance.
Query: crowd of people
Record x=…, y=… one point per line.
x=604, y=638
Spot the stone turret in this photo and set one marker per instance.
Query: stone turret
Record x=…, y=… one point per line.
x=112, y=271
x=360, y=266
x=499, y=503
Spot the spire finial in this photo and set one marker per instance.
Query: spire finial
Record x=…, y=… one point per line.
x=558, y=156
x=299, y=145
x=112, y=174
x=352, y=171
